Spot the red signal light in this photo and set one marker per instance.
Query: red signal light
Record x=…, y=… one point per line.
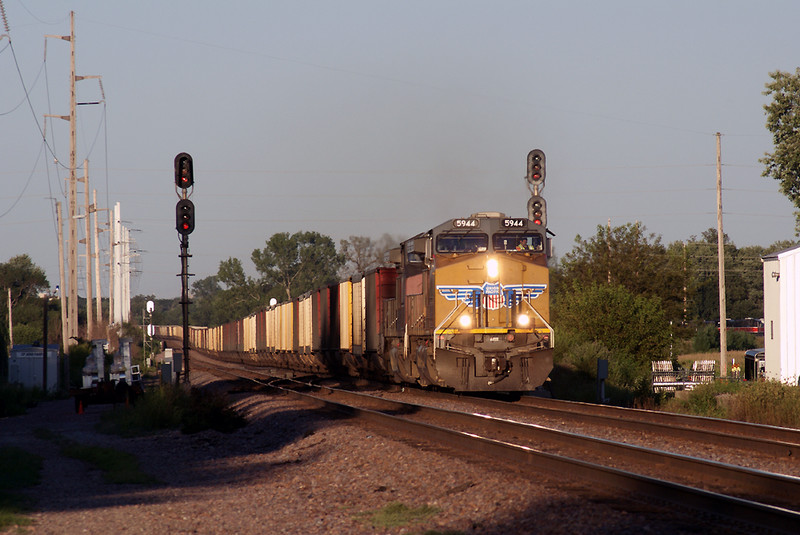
x=184, y=171
x=184, y=217
x=536, y=167
x=537, y=211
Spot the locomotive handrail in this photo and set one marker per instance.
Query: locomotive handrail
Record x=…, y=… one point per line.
x=552, y=332
x=436, y=332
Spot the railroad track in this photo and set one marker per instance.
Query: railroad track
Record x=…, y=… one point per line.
x=742, y=495
x=764, y=440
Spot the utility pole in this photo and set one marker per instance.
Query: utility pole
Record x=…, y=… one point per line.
x=72, y=192
x=61, y=296
x=723, y=331
x=111, y=267
x=96, y=234
x=88, y=244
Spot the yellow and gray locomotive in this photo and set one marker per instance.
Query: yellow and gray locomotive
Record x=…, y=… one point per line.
x=463, y=306
x=475, y=301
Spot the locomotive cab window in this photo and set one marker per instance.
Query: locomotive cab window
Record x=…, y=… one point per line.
x=462, y=243
x=518, y=241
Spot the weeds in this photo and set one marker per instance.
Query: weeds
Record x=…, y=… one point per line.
x=769, y=403
x=20, y=469
x=15, y=399
x=396, y=514
x=173, y=407
x=118, y=467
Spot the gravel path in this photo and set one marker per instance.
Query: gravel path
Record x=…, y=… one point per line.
x=294, y=471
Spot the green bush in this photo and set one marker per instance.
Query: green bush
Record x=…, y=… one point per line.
x=740, y=341
x=705, y=400
x=583, y=357
x=706, y=338
x=173, y=407
x=77, y=360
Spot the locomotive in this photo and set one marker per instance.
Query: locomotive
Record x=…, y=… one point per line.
x=464, y=306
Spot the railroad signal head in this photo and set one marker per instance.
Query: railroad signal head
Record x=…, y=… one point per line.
x=184, y=217
x=184, y=173
x=536, y=167
x=537, y=211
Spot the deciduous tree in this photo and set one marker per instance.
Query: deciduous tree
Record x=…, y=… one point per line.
x=298, y=263
x=783, y=121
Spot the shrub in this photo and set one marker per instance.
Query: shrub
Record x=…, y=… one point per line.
x=172, y=407
x=706, y=338
x=704, y=400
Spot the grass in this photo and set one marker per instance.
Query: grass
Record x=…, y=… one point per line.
x=15, y=399
x=397, y=514
x=173, y=407
x=20, y=469
x=762, y=402
x=118, y=467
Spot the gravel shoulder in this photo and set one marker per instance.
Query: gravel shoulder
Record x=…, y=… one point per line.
x=292, y=470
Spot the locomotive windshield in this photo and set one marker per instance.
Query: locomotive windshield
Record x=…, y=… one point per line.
x=462, y=243
x=518, y=241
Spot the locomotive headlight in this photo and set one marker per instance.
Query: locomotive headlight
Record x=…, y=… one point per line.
x=465, y=321
x=492, y=268
x=523, y=320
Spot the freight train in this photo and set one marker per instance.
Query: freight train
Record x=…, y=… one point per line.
x=464, y=306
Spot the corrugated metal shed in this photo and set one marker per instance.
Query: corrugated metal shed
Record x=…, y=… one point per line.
x=782, y=315
x=25, y=366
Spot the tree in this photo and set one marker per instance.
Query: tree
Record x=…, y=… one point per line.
x=22, y=277
x=298, y=263
x=22, y=280
x=783, y=121
x=362, y=253
x=631, y=329
x=626, y=256
x=744, y=286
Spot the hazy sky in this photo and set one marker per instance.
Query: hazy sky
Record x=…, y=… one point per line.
x=372, y=117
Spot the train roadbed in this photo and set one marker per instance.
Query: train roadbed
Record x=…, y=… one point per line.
x=296, y=471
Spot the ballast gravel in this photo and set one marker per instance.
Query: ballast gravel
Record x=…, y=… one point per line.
x=293, y=470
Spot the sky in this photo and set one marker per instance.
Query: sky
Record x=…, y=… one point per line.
x=367, y=117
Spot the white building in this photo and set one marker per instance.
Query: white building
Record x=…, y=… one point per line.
x=25, y=366
x=782, y=315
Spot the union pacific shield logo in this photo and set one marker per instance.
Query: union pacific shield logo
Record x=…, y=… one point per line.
x=492, y=298
x=492, y=295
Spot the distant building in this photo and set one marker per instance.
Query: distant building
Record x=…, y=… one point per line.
x=782, y=315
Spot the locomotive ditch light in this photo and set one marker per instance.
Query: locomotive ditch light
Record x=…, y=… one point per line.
x=523, y=320
x=465, y=321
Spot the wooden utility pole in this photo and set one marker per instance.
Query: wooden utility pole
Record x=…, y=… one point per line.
x=71, y=289
x=72, y=262
x=723, y=332
x=62, y=298
x=10, y=324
